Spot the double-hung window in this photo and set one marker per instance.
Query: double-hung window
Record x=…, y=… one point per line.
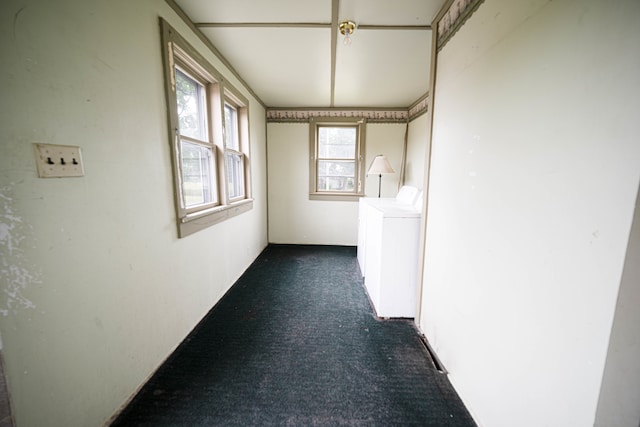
x=336, y=162
x=198, y=183
x=209, y=134
x=233, y=156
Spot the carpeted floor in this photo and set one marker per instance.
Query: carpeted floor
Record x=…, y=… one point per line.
x=295, y=342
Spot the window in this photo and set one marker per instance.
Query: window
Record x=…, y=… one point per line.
x=197, y=166
x=208, y=126
x=234, y=158
x=336, y=170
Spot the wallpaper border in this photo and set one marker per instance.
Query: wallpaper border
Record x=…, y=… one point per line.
x=454, y=18
x=293, y=115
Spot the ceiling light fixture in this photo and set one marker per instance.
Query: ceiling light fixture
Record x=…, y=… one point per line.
x=346, y=29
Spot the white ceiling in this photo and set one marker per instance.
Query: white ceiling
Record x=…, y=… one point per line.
x=285, y=49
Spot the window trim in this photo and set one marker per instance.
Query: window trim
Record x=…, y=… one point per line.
x=355, y=195
x=178, y=52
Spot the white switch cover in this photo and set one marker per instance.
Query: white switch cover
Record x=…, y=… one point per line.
x=57, y=161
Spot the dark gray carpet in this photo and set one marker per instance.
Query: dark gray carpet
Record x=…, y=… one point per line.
x=295, y=342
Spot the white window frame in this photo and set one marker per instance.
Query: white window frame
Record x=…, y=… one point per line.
x=358, y=191
x=190, y=219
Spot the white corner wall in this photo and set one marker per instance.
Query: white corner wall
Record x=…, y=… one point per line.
x=620, y=392
x=534, y=174
x=293, y=218
x=97, y=290
x=417, y=143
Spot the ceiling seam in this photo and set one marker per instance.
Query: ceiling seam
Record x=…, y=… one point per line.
x=182, y=15
x=335, y=4
x=394, y=27
x=306, y=25
x=263, y=25
x=416, y=106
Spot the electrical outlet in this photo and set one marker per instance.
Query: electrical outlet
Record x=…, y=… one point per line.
x=57, y=161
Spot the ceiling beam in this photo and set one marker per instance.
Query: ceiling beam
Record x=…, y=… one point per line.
x=335, y=6
x=263, y=25
x=305, y=25
x=394, y=27
x=178, y=10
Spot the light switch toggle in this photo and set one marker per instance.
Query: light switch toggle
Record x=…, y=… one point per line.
x=69, y=162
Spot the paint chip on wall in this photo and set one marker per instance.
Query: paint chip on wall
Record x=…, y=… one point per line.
x=13, y=273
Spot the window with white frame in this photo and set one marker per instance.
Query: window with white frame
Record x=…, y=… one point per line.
x=208, y=126
x=336, y=169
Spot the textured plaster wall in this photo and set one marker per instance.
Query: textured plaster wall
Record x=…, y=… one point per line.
x=97, y=289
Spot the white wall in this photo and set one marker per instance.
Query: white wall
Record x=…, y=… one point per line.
x=534, y=174
x=620, y=393
x=293, y=218
x=97, y=288
x=417, y=142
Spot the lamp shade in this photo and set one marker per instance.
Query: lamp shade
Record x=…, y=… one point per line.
x=379, y=166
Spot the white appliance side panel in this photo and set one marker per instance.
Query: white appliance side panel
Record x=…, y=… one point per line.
x=399, y=267
x=373, y=255
x=363, y=208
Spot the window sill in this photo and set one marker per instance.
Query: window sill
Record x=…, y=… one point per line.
x=335, y=197
x=200, y=220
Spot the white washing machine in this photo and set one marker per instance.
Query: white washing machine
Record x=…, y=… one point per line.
x=388, y=246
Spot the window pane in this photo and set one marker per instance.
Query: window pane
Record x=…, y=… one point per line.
x=336, y=175
x=337, y=142
x=190, y=96
x=235, y=175
x=198, y=185
x=231, y=127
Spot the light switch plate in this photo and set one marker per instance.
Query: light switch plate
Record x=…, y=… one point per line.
x=58, y=161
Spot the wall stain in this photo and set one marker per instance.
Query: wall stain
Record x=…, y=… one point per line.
x=15, y=20
x=14, y=276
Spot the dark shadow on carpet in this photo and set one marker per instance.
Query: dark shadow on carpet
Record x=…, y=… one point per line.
x=295, y=342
